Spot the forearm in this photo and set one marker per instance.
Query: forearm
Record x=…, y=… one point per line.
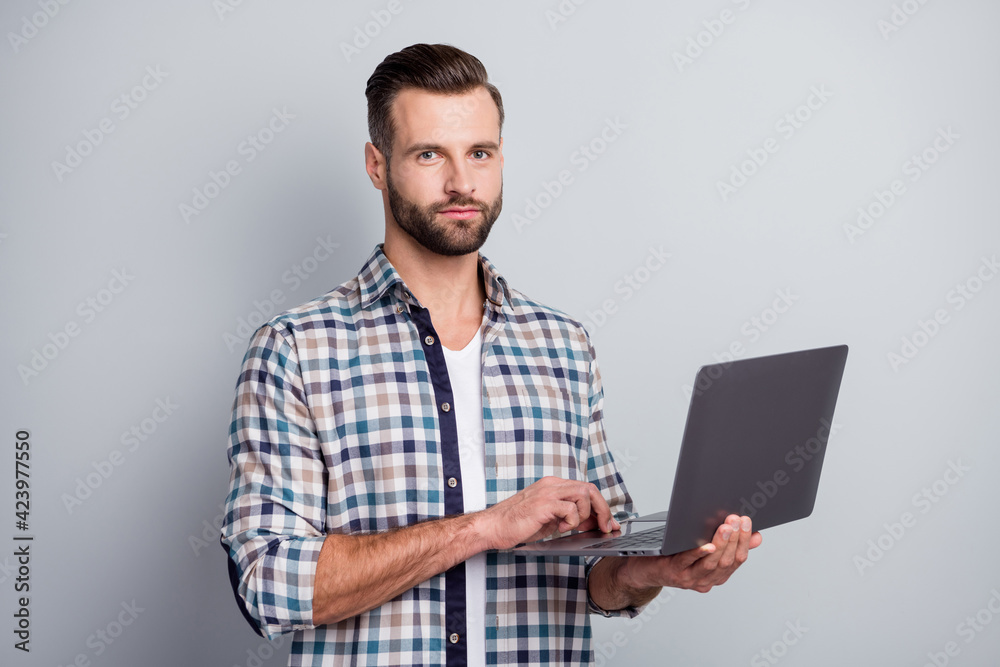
x=611, y=585
x=356, y=573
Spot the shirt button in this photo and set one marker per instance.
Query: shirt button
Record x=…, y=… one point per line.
x=452, y=482
x=399, y=308
x=429, y=340
x=453, y=638
x=446, y=407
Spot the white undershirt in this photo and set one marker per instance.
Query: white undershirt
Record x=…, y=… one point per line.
x=465, y=371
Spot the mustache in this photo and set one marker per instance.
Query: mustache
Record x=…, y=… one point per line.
x=460, y=201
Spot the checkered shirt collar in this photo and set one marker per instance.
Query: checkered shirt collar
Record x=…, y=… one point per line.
x=378, y=276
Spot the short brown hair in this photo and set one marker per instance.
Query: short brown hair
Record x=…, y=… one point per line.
x=438, y=68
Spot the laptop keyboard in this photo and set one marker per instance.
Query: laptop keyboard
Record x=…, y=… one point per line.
x=646, y=539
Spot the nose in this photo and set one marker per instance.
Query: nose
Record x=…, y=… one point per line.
x=459, y=181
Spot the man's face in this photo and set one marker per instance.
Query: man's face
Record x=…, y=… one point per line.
x=445, y=178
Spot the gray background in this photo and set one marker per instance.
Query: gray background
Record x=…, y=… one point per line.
x=681, y=129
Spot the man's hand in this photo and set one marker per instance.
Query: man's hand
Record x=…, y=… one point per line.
x=356, y=573
x=616, y=583
x=548, y=506
x=702, y=568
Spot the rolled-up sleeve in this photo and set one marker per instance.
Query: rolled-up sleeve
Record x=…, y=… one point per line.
x=602, y=472
x=275, y=509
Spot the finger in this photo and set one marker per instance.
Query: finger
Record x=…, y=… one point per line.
x=728, y=559
x=599, y=507
x=569, y=515
x=582, y=498
x=722, y=539
x=686, y=559
x=743, y=544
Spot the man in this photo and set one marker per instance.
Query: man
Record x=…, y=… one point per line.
x=392, y=438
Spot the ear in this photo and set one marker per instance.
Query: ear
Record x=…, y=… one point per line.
x=375, y=165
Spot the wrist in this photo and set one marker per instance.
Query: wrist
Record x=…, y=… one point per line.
x=475, y=529
x=629, y=575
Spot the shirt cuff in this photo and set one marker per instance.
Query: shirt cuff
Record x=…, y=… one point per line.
x=627, y=612
x=283, y=584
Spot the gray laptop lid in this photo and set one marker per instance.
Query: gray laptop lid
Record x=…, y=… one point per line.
x=753, y=445
x=754, y=442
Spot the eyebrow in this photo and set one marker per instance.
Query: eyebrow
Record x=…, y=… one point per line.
x=482, y=145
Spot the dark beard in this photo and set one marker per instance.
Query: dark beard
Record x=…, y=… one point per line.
x=460, y=237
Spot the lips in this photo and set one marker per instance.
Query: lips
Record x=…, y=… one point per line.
x=460, y=212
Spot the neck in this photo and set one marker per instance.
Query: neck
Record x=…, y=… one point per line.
x=449, y=287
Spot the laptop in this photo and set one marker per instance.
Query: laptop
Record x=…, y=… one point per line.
x=753, y=445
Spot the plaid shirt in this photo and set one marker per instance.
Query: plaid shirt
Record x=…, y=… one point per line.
x=342, y=424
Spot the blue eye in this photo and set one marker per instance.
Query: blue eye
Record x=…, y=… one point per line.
x=427, y=155
x=480, y=155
